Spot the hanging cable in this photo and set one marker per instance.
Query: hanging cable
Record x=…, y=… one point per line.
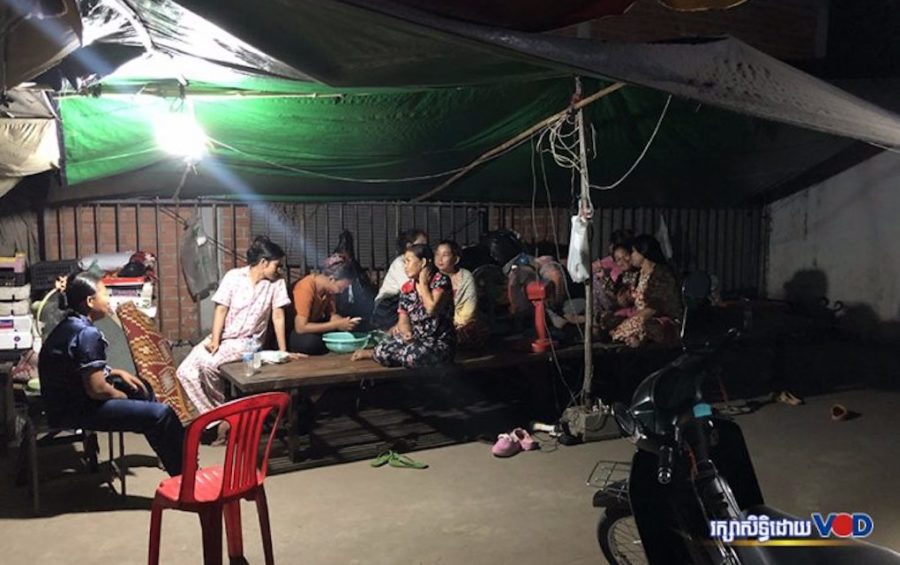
x=644, y=152
x=534, y=230
x=350, y=179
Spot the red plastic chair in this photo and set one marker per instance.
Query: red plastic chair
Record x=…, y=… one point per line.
x=214, y=491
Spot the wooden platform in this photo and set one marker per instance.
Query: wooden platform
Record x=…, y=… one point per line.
x=345, y=410
x=334, y=369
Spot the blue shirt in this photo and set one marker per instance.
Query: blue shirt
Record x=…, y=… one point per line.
x=75, y=348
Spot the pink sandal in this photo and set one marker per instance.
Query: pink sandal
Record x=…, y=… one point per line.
x=525, y=440
x=506, y=446
x=512, y=443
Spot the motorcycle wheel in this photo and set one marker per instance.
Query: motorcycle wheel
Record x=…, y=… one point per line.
x=618, y=537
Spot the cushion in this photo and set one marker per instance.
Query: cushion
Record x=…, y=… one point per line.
x=118, y=352
x=153, y=360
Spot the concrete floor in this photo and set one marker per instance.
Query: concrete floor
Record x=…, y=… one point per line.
x=468, y=508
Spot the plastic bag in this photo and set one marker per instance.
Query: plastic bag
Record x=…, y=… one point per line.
x=579, y=262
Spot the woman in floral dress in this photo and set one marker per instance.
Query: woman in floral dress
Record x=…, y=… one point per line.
x=245, y=301
x=424, y=335
x=613, y=291
x=657, y=305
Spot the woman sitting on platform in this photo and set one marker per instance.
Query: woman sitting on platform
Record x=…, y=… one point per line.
x=657, y=305
x=613, y=290
x=471, y=333
x=424, y=335
x=245, y=301
x=315, y=305
x=385, y=314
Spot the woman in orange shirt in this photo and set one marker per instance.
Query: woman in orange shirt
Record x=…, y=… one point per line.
x=314, y=303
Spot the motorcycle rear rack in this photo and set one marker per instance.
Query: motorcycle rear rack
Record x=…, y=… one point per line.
x=611, y=477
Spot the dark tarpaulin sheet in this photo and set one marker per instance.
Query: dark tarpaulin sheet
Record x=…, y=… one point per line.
x=328, y=42
x=524, y=15
x=723, y=72
x=34, y=44
x=165, y=27
x=380, y=43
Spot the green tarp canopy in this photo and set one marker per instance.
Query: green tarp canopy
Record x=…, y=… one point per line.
x=367, y=100
x=294, y=147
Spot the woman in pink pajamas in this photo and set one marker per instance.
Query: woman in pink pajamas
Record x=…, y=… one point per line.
x=245, y=301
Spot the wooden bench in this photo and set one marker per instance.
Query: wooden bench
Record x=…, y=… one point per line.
x=309, y=378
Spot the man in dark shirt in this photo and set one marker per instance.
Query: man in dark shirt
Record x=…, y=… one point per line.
x=81, y=390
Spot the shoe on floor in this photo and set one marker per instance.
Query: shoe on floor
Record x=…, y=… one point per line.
x=525, y=440
x=785, y=397
x=840, y=413
x=507, y=445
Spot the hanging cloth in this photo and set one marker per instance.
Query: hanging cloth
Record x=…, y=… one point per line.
x=199, y=260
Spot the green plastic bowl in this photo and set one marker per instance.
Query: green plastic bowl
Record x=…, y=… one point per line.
x=345, y=342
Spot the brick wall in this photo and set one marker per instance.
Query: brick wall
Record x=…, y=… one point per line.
x=544, y=225
x=77, y=231
x=786, y=29
x=727, y=242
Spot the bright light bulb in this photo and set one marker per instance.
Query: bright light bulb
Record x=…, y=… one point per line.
x=179, y=134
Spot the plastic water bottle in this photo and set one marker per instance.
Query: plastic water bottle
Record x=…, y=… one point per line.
x=257, y=354
x=249, y=352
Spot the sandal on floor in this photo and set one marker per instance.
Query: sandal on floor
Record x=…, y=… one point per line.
x=404, y=462
x=382, y=459
x=527, y=442
x=840, y=413
x=729, y=409
x=785, y=397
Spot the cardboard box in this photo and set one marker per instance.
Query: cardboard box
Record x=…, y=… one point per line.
x=15, y=308
x=10, y=293
x=13, y=340
x=16, y=324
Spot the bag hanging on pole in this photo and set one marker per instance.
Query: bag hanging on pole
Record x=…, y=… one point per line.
x=579, y=261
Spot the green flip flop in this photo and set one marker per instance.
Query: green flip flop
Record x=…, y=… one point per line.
x=383, y=458
x=404, y=462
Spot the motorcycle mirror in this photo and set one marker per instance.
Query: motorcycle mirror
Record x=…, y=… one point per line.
x=624, y=419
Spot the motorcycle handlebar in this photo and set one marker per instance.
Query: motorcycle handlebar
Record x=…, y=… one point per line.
x=666, y=457
x=732, y=335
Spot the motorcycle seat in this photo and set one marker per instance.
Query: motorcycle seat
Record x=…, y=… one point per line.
x=855, y=551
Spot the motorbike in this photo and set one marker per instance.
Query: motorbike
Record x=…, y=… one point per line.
x=690, y=467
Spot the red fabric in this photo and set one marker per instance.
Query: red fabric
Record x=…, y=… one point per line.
x=153, y=360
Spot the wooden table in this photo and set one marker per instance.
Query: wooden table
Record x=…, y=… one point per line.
x=332, y=369
x=312, y=376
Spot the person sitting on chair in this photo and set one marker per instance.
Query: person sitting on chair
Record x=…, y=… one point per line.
x=81, y=391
